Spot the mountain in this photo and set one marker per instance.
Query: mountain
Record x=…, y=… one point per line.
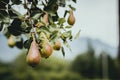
x=78, y=46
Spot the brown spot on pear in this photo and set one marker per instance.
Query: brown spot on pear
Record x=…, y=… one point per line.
x=33, y=57
x=71, y=18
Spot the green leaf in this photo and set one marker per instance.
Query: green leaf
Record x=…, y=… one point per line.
x=35, y=2
x=55, y=17
x=36, y=16
x=61, y=20
x=62, y=3
x=54, y=35
x=6, y=32
x=4, y=17
x=16, y=22
x=27, y=43
x=77, y=35
x=53, y=25
x=27, y=29
x=17, y=2
x=5, y=1
x=74, y=1
x=43, y=28
x=15, y=27
x=68, y=26
x=35, y=10
x=3, y=14
x=15, y=30
x=3, y=4
x=13, y=13
x=63, y=51
x=51, y=6
x=72, y=7
x=19, y=43
x=67, y=34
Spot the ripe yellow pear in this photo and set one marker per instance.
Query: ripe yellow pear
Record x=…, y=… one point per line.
x=11, y=41
x=33, y=57
x=71, y=18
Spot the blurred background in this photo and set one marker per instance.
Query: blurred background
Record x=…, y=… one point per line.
x=93, y=55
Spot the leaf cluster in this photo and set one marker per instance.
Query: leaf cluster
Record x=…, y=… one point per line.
x=41, y=17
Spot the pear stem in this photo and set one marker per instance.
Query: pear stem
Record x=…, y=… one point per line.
x=28, y=13
x=33, y=32
x=33, y=35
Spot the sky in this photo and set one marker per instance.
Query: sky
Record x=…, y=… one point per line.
x=98, y=19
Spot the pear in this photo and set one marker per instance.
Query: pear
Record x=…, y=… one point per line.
x=46, y=50
x=71, y=18
x=33, y=57
x=57, y=45
x=11, y=41
x=45, y=19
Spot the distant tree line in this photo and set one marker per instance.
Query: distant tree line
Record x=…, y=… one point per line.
x=90, y=66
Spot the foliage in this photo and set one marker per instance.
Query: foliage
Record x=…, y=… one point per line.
x=40, y=22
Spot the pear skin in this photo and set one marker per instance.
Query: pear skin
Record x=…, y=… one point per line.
x=57, y=45
x=46, y=50
x=11, y=41
x=33, y=57
x=45, y=19
x=71, y=18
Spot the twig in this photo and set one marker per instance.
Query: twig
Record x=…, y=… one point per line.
x=30, y=20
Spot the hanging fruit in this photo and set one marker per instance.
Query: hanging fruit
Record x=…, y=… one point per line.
x=46, y=50
x=71, y=18
x=57, y=45
x=33, y=57
x=11, y=41
x=45, y=19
